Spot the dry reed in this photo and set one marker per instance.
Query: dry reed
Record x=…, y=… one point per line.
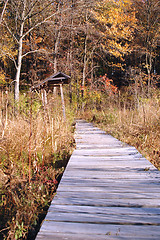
x=135, y=124
x=35, y=145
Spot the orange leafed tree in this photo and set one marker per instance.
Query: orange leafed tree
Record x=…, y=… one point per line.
x=118, y=23
x=103, y=84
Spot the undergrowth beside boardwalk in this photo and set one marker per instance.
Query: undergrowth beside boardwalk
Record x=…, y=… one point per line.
x=134, y=120
x=35, y=145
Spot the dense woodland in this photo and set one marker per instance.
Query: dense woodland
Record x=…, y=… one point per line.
x=111, y=51
x=84, y=39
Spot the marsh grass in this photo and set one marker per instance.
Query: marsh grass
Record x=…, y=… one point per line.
x=136, y=122
x=35, y=145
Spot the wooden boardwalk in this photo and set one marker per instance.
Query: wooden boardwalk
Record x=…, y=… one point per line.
x=108, y=191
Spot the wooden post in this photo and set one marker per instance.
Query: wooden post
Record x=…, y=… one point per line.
x=45, y=97
x=42, y=95
x=62, y=98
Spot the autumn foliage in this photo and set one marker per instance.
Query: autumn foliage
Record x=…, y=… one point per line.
x=111, y=50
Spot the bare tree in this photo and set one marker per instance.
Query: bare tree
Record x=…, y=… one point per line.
x=3, y=10
x=38, y=12
x=147, y=32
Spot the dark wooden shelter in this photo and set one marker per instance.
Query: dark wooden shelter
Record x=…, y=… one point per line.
x=55, y=80
x=52, y=81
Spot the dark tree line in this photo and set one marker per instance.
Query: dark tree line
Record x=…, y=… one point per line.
x=85, y=39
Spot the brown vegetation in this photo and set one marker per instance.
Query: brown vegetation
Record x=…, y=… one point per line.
x=111, y=51
x=136, y=123
x=35, y=145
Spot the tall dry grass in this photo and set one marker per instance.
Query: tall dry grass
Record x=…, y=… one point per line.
x=134, y=121
x=35, y=145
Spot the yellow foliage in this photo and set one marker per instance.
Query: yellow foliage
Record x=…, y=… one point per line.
x=2, y=77
x=7, y=47
x=119, y=21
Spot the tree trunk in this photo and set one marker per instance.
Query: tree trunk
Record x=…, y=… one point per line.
x=149, y=68
x=71, y=52
x=19, y=60
x=85, y=58
x=55, y=52
x=92, y=68
x=19, y=65
x=58, y=35
x=84, y=63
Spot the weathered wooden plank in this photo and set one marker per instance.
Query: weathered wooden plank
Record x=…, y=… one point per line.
x=104, y=230
x=119, y=190
x=120, y=175
x=102, y=183
x=110, y=202
x=110, y=164
x=106, y=210
x=109, y=236
x=103, y=218
x=110, y=195
x=108, y=191
x=109, y=151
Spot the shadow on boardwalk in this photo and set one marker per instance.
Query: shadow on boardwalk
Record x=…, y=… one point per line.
x=108, y=191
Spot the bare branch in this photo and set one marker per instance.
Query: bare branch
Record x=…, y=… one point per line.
x=32, y=7
x=12, y=34
x=37, y=13
x=92, y=70
x=4, y=8
x=10, y=57
x=34, y=51
x=45, y=20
